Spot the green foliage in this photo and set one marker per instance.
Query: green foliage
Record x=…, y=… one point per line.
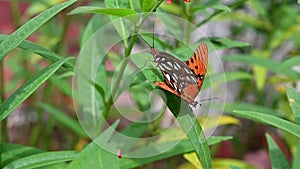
x=10, y=104
x=277, y=158
x=27, y=29
x=256, y=67
x=43, y=160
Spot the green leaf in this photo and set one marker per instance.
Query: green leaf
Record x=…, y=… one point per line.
x=217, y=12
x=141, y=98
x=260, y=73
x=213, y=44
x=259, y=7
x=123, y=28
x=172, y=26
x=221, y=163
x=94, y=24
x=269, y=64
x=107, y=11
x=292, y=61
x=278, y=160
x=42, y=159
x=62, y=118
x=135, y=130
x=172, y=8
x=93, y=156
x=13, y=152
x=62, y=85
x=10, y=104
x=29, y=27
x=294, y=100
x=222, y=7
x=249, y=20
x=224, y=43
x=191, y=127
x=148, y=5
x=250, y=107
x=234, y=167
x=296, y=159
x=270, y=120
x=184, y=146
x=45, y=53
x=225, y=77
x=196, y=136
x=135, y=5
x=117, y=4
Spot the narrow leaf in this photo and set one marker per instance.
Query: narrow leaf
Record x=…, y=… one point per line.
x=278, y=159
x=148, y=5
x=269, y=64
x=94, y=156
x=13, y=152
x=29, y=27
x=194, y=131
x=191, y=127
x=219, y=163
x=270, y=120
x=35, y=48
x=296, y=159
x=250, y=107
x=294, y=100
x=107, y=11
x=234, y=167
x=225, y=77
x=10, y=104
x=63, y=119
x=42, y=159
x=222, y=7
x=182, y=147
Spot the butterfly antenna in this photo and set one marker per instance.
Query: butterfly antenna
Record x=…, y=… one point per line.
x=144, y=40
x=153, y=35
x=209, y=99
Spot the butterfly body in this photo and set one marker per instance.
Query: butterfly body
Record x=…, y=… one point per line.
x=183, y=79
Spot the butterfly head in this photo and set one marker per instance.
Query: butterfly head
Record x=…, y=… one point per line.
x=154, y=52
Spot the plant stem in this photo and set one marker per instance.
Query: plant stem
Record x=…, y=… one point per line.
x=109, y=103
x=127, y=53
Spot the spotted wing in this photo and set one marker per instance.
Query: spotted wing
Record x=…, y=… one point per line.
x=198, y=63
x=176, y=73
x=179, y=78
x=166, y=87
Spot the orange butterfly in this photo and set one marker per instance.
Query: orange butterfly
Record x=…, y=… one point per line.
x=184, y=79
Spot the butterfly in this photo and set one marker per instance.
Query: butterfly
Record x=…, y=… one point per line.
x=184, y=79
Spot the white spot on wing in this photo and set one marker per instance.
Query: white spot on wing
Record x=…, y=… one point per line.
x=194, y=79
x=164, y=66
x=175, y=87
x=175, y=76
x=170, y=64
x=168, y=77
x=161, y=67
x=177, y=65
x=187, y=71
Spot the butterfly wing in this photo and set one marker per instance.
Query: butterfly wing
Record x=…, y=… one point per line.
x=198, y=63
x=183, y=79
x=166, y=87
x=176, y=73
